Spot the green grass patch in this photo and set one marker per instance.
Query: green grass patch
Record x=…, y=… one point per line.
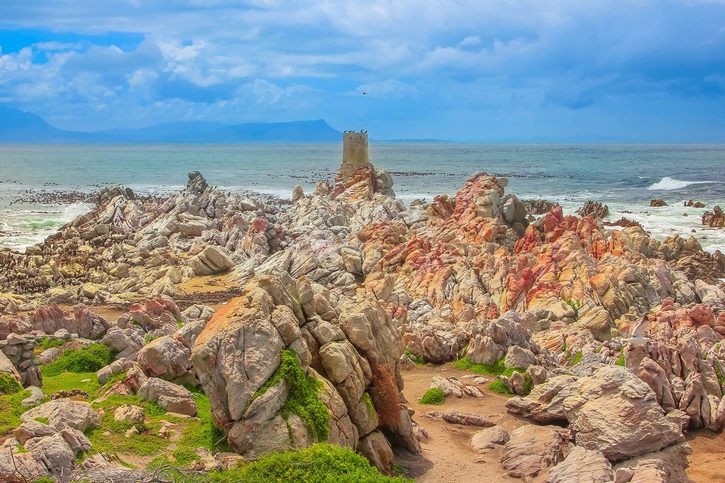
x=86, y=359
x=195, y=434
x=577, y=357
x=8, y=384
x=302, y=399
x=318, y=463
x=620, y=359
x=43, y=420
x=66, y=381
x=45, y=343
x=419, y=361
x=498, y=368
x=10, y=410
x=433, y=395
x=500, y=387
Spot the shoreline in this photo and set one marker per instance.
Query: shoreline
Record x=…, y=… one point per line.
x=351, y=287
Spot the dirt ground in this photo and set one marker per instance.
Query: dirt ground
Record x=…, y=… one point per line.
x=448, y=456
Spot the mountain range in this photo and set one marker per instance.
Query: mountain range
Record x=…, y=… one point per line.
x=17, y=126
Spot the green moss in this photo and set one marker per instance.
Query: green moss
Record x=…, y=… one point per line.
x=416, y=360
x=575, y=306
x=499, y=387
x=577, y=358
x=318, y=463
x=45, y=343
x=433, y=395
x=496, y=369
x=303, y=399
x=66, y=381
x=43, y=420
x=86, y=359
x=8, y=384
x=369, y=403
x=10, y=410
x=620, y=359
x=719, y=374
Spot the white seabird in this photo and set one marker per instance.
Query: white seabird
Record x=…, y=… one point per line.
x=637, y=338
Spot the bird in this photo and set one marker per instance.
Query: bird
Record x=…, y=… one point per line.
x=637, y=338
x=365, y=93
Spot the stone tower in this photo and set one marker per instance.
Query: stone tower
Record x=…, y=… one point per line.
x=354, y=153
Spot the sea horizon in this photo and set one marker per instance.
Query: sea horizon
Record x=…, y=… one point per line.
x=619, y=175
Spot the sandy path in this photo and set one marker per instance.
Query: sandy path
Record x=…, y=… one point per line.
x=448, y=456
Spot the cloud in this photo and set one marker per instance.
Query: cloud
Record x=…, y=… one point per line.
x=87, y=64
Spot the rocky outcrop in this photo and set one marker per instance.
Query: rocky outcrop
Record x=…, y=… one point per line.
x=714, y=219
x=62, y=413
x=594, y=209
x=531, y=450
x=19, y=351
x=349, y=346
x=611, y=412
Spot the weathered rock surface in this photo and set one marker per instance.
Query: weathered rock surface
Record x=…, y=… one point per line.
x=353, y=350
x=62, y=413
x=531, y=450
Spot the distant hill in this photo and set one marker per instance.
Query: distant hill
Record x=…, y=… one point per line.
x=21, y=127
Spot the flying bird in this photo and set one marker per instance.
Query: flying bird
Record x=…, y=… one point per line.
x=365, y=93
x=637, y=338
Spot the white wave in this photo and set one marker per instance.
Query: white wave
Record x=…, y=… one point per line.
x=74, y=210
x=668, y=183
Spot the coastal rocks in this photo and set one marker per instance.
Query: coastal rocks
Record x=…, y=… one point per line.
x=62, y=413
x=694, y=204
x=211, y=260
x=538, y=207
x=460, y=417
x=49, y=319
x=8, y=368
x=657, y=203
x=129, y=413
x=353, y=351
x=582, y=464
x=167, y=357
x=714, y=219
x=196, y=183
x=453, y=387
x=18, y=353
x=531, y=450
x=172, y=397
x=611, y=411
x=49, y=452
x=489, y=438
x=594, y=209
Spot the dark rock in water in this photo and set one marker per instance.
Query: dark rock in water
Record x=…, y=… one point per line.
x=694, y=204
x=623, y=222
x=196, y=184
x=714, y=219
x=538, y=207
x=594, y=209
x=657, y=202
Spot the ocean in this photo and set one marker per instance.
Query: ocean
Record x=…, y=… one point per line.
x=625, y=177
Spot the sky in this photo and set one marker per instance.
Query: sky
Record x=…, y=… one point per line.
x=481, y=70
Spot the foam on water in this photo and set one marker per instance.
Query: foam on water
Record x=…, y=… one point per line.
x=668, y=183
